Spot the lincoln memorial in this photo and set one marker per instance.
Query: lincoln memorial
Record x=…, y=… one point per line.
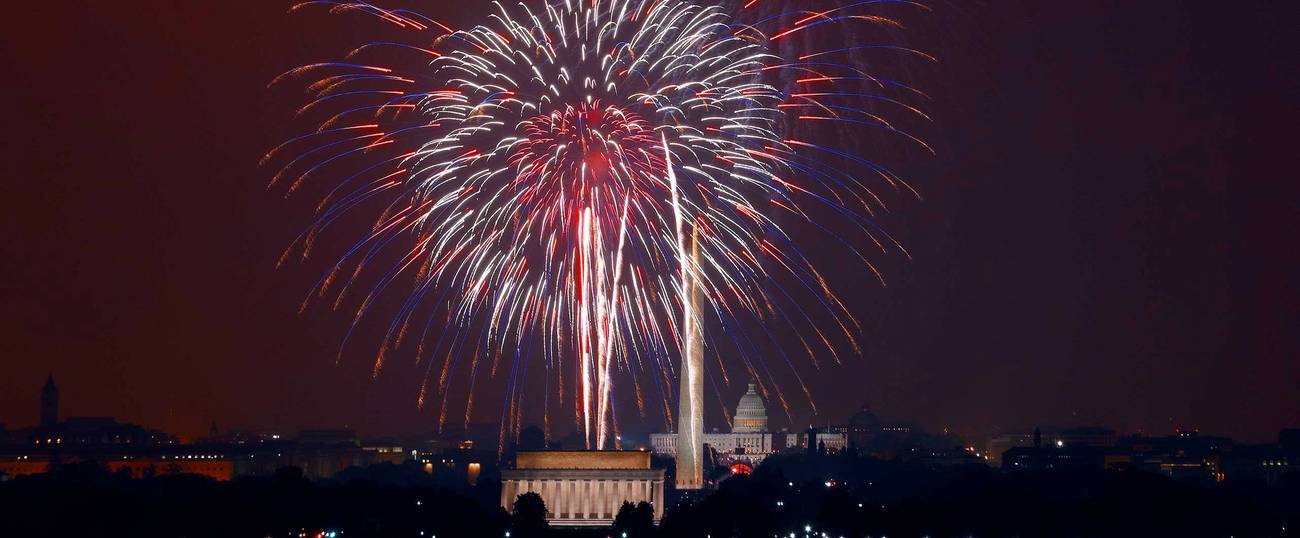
x=584, y=487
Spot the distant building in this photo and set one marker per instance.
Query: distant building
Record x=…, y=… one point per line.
x=383, y=451
x=117, y=446
x=78, y=433
x=1094, y=437
x=827, y=440
x=108, y=431
x=49, y=404
x=939, y=458
x=584, y=488
x=750, y=447
x=886, y=439
x=1052, y=457
x=999, y=444
x=748, y=441
x=139, y=464
x=1186, y=455
x=462, y=464
x=323, y=453
x=865, y=428
x=1263, y=463
x=146, y=452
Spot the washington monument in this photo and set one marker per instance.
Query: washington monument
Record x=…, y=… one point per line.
x=690, y=411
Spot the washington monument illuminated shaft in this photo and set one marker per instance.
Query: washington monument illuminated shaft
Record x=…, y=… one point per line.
x=690, y=412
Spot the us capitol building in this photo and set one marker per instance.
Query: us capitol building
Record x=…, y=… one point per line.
x=749, y=440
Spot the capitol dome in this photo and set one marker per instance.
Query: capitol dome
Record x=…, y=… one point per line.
x=751, y=414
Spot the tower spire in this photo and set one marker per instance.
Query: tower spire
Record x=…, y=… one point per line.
x=49, y=403
x=690, y=411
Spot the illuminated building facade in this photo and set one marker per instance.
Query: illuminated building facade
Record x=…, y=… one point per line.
x=582, y=488
x=460, y=464
x=751, y=414
x=749, y=441
x=826, y=440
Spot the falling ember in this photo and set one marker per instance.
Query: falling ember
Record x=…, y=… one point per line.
x=535, y=179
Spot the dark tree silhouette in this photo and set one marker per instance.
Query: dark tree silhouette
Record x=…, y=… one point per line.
x=635, y=521
x=786, y=494
x=529, y=518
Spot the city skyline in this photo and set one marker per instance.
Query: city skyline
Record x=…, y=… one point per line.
x=325, y=453
x=49, y=417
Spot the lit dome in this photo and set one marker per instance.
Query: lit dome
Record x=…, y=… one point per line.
x=751, y=414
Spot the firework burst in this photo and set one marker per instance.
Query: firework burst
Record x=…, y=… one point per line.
x=538, y=177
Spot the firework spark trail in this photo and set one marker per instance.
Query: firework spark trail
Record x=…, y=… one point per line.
x=539, y=173
x=609, y=317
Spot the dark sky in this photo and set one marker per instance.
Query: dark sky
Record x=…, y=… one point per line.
x=1108, y=234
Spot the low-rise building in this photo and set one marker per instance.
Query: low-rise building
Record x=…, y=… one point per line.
x=584, y=488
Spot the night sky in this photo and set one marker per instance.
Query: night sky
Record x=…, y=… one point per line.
x=1107, y=236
